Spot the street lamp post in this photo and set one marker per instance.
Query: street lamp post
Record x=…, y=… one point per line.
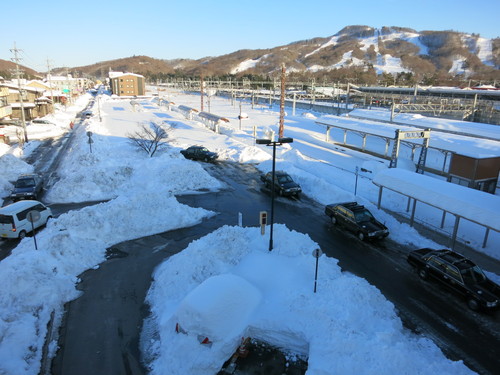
x=99, y=107
x=268, y=142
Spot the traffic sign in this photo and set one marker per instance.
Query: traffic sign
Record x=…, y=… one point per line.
x=33, y=216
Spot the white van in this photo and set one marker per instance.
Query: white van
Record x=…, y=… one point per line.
x=14, y=222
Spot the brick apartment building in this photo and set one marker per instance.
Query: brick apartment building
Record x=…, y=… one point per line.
x=127, y=84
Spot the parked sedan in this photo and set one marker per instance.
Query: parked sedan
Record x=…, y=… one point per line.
x=27, y=186
x=199, y=153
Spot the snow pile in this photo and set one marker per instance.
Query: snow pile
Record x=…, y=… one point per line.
x=37, y=282
x=115, y=166
x=346, y=327
x=219, y=307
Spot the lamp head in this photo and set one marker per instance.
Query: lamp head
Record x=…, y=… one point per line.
x=262, y=141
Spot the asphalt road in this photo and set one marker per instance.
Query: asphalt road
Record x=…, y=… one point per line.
x=100, y=330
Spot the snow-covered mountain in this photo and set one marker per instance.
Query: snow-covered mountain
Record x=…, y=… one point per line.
x=385, y=50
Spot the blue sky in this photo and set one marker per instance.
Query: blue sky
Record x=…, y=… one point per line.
x=85, y=32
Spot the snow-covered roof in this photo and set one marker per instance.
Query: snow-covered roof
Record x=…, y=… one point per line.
x=114, y=74
x=25, y=105
x=474, y=205
x=121, y=74
x=39, y=82
x=14, y=87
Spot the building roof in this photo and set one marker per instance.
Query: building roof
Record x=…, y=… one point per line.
x=15, y=88
x=113, y=75
x=25, y=105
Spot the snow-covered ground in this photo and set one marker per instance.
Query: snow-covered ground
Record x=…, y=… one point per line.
x=281, y=307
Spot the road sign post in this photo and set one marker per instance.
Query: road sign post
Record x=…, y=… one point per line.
x=316, y=253
x=90, y=141
x=33, y=216
x=356, y=185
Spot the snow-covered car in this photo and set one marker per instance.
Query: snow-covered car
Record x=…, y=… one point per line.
x=219, y=309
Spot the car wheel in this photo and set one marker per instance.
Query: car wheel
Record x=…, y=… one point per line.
x=281, y=193
x=422, y=272
x=361, y=236
x=334, y=220
x=205, y=160
x=22, y=234
x=473, y=304
x=46, y=221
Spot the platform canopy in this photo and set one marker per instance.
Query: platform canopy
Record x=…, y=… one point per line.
x=463, y=202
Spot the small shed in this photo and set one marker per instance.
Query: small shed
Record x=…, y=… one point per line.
x=480, y=173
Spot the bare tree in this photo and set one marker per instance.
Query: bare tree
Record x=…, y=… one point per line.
x=150, y=138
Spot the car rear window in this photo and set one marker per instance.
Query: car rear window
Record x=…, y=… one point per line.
x=6, y=219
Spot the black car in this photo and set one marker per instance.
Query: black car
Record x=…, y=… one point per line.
x=42, y=121
x=459, y=274
x=27, y=186
x=86, y=114
x=357, y=219
x=283, y=184
x=199, y=153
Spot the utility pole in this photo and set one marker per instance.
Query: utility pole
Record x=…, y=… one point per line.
x=49, y=77
x=18, y=72
x=282, y=102
x=201, y=92
x=68, y=101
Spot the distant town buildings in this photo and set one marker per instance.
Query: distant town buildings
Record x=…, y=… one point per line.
x=36, y=98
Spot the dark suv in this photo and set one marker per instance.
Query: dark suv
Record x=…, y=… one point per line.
x=357, y=219
x=27, y=186
x=459, y=274
x=199, y=153
x=283, y=183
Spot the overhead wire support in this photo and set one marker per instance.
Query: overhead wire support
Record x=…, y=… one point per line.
x=18, y=73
